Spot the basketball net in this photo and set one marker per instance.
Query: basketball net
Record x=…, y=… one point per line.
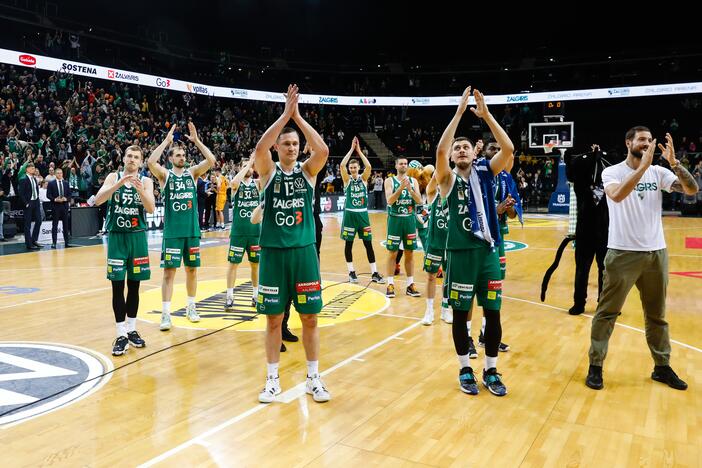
x=548, y=147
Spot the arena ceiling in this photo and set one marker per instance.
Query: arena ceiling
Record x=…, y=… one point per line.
x=367, y=33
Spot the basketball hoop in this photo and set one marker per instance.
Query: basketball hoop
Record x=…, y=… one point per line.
x=548, y=147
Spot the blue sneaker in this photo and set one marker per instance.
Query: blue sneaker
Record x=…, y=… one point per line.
x=467, y=382
x=492, y=381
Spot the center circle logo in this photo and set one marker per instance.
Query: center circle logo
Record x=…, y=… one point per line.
x=512, y=246
x=343, y=302
x=32, y=374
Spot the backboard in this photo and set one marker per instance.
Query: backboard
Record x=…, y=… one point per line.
x=560, y=133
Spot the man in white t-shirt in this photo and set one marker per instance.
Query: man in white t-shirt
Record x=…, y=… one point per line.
x=636, y=250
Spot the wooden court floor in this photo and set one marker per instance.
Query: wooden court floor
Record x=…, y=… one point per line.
x=395, y=398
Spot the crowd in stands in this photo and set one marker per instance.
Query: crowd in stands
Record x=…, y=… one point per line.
x=80, y=125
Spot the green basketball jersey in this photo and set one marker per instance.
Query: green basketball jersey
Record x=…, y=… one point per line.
x=180, y=206
x=438, y=227
x=460, y=235
x=246, y=199
x=404, y=205
x=125, y=211
x=356, y=195
x=287, y=210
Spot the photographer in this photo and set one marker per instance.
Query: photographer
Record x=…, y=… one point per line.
x=585, y=172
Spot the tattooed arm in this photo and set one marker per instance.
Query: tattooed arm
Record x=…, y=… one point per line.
x=686, y=183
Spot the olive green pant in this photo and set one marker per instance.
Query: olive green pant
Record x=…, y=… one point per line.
x=624, y=269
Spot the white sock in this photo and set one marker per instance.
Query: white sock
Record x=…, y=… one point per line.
x=468, y=325
x=430, y=304
x=374, y=268
x=312, y=368
x=166, y=308
x=349, y=265
x=464, y=361
x=272, y=369
x=121, y=329
x=230, y=292
x=391, y=280
x=490, y=362
x=254, y=293
x=191, y=300
x=482, y=327
x=410, y=280
x=131, y=324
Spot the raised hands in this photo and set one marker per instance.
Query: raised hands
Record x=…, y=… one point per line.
x=647, y=158
x=668, y=150
x=169, y=135
x=193, y=137
x=463, y=103
x=292, y=98
x=481, y=109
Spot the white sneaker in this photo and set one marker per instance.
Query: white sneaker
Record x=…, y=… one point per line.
x=315, y=387
x=447, y=315
x=428, y=317
x=270, y=391
x=165, y=321
x=191, y=313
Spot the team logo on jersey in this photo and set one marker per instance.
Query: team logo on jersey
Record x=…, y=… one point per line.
x=343, y=302
x=33, y=376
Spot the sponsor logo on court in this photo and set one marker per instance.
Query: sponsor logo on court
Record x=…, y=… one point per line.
x=17, y=290
x=328, y=100
x=367, y=101
x=239, y=93
x=33, y=375
x=420, y=100
x=342, y=302
x=26, y=59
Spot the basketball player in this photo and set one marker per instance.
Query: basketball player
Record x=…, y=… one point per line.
x=402, y=194
x=181, y=230
x=435, y=252
x=221, y=199
x=289, y=266
x=355, y=219
x=473, y=265
x=637, y=252
x=244, y=234
x=508, y=205
x=128, y=196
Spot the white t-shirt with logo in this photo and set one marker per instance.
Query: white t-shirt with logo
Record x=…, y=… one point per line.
x=635, y=223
